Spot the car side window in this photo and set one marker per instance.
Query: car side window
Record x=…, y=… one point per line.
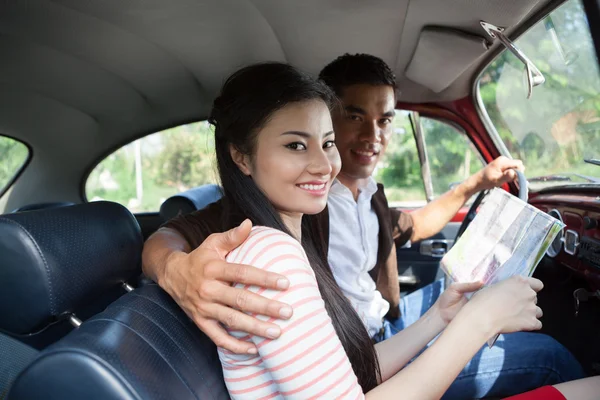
x=399, y=169
x=452, y=159
x=13, y=156
x=143, y=174
x=452, y=156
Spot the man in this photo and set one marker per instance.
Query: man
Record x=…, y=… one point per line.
x=358, y=244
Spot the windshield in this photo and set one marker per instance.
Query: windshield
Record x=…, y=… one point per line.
x=555, y=130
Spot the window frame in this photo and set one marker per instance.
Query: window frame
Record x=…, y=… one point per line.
x=409, y=116
x=500, y=49
x=421, y=138
x=4, y=189
x=88, y=171
x=417, y=127
x=478, y=100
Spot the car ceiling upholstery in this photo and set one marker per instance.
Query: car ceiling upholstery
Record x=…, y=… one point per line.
x=79, y=78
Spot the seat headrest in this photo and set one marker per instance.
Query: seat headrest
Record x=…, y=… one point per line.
x=57, y=260
x=190, y=200
x=43, y=206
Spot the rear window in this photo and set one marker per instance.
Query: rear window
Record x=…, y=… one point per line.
x=143, y=174
x=13, y=155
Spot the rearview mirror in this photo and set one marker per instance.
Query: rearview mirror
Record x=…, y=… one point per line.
x=533, y=76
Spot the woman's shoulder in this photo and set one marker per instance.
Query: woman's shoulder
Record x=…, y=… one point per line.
x=265, y=230
x=264, y=245
x=264, y=234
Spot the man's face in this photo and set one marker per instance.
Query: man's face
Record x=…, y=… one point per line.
x=363, y=126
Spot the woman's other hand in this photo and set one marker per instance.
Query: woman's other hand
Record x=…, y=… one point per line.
x=508, y=306
x=452, y=300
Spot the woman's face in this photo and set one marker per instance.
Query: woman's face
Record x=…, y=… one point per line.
x=295, y=158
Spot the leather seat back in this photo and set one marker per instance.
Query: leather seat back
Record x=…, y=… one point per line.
x=190, y=200
x=143, y=346
x=58, y=262
x=14, y=357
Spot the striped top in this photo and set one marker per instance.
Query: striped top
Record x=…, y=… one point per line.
x=307, y=361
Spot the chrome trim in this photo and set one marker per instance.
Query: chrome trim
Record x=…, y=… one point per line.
x=127, y=287
x=575, y=243
x=422, y=153
x=73, y=320
x=429, y=248
x=485, y=119
x=558, y=216
x=534, y=75
x=408, y=280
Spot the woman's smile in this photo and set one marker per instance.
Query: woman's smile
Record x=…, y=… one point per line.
x=315, y=188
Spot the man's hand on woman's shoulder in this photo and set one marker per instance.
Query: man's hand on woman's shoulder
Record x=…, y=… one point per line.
x=201, y=283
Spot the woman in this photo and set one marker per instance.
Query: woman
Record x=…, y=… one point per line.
x=277, y=159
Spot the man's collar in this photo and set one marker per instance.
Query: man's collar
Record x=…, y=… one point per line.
x=368, y=189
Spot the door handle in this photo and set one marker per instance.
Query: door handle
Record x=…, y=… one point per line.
x=436, y=248
x=410, y=280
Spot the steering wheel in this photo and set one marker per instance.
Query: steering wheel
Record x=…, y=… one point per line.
x=523, y=195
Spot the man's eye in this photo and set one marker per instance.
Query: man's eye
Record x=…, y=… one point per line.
x=386, y=121
x=329, y=144
x=296, y=146
x=354, y=117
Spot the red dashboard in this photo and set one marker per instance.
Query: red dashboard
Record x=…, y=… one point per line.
x=579, y=209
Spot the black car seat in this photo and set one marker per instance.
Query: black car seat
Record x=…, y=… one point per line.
x=190, y=200
x=14, y=357
x=63, y=264
x=57, y=267
x=142, y=346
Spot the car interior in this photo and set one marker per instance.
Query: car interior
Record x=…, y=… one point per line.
x=82, y=80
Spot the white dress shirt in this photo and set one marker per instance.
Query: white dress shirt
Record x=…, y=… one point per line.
x=353, y=246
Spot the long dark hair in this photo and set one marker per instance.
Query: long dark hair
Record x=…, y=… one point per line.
x=247, y=101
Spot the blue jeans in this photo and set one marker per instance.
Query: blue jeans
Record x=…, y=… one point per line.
x=518, y=362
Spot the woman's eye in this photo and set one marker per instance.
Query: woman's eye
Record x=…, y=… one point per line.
x=329, y=144
x=296, y=146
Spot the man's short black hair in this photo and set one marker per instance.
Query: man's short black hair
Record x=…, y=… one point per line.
x=354, y=69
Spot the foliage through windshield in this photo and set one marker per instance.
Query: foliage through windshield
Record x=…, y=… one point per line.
x=555, y=130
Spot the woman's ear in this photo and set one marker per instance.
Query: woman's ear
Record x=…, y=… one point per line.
x=240, y=159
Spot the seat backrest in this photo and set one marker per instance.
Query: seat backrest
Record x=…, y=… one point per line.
x=58, y=262
x=143, y=346
x=190, y=200
x=14, y=357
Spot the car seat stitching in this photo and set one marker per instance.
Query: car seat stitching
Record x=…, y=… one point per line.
x=166, y=309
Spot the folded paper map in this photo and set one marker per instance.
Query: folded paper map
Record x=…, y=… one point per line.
x=507, y=237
